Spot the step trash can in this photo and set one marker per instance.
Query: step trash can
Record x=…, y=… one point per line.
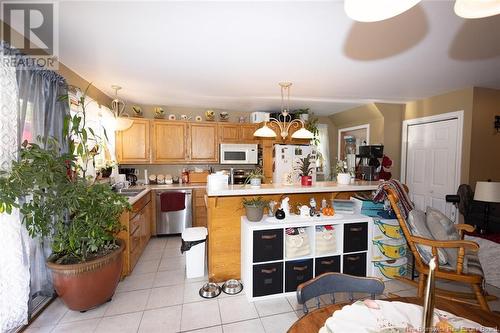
x=193, y=243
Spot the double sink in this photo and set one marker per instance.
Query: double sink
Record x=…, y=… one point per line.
x=130, y=192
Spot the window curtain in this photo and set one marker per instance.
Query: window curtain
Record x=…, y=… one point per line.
x=14, y=240
x=324, y=149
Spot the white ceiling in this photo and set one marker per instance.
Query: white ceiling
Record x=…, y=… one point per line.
x=232, y=54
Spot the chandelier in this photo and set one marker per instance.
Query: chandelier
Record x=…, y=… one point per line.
x=378, y=10
x=122, y=122
x=284, y=121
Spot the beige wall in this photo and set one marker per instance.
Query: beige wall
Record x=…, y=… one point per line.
x=485, y=142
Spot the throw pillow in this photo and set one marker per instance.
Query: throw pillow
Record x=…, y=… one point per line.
x=442, y=228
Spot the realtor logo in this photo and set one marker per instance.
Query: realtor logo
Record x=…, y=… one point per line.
x=31, y=27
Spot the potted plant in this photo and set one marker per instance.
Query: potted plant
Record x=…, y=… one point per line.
x=312, y=126
x=302, y=113
x=78, y=215
x=254, y=208
x=343, y=177
x=305, y=168
x=255, y=177
x=107, y=169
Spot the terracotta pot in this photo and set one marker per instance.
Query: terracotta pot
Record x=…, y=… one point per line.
x=306, y=180
x=87, y=285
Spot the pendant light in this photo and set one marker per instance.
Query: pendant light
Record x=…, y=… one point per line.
x=122, y=122
x=284, y=122
x=376, y=10
x=471, y=9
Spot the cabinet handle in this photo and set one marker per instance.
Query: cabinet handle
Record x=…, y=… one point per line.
x=353, y=258
x=299, y=269
x=356, y=229
x=268, y=271
x=267, y=237
x=327, y=262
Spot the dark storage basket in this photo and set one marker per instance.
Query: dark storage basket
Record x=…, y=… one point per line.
x=267, y=279
x=327, y=264
x=267, y=245
x=355, y=264
x=355, y=237
x=297, y=272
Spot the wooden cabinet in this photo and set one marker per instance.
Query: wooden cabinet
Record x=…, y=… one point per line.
x=133, y=144
x=137, y=232
x=228, y=133
x=246, y=132
x=169, y=142
x=203, y=144
x=200, y=208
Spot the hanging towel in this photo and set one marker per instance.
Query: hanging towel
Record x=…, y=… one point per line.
x=172, y=201
x=404, y=203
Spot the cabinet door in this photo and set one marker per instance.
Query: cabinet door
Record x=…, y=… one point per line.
x=169, y=142
x=200, y=209
x=146, y=225
x=246, y=133
x=228, y=133
x=132, y=144
x=203, y=143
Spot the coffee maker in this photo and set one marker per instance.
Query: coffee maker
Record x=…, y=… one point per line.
x=370, y=158
x=130, y=175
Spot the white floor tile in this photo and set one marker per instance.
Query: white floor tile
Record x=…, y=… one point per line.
x=174, y=242
x=171, y=252
x=124, y=323
x=43, y=329
x=200, y=315
x=125, y=302
x=253, y=326
x=136, y=282
x=395, y=285
x=51, y=315
x=236, y=308
x=146, y=266
x=84, y=326
x=172, y=263
x=166, y=296
x=273, y=306
x=191, y=292
x=151, y=255
x=98, y=312
x=407, y=293
x=156, y=243
x=164, y=320
x=279, y=323
x=213, y=329
x=168, y=278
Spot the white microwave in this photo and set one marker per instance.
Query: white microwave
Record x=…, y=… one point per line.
x=233, y=153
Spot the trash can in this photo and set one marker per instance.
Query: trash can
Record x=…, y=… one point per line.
x=193, y=242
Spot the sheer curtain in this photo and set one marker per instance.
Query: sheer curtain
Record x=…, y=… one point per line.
x=324, y=149
x=14, y=241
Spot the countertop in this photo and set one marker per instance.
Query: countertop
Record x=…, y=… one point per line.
x=318, y=187
x=149, y=188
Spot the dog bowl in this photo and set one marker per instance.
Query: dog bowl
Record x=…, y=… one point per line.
x=232, y=287
x=210, y=290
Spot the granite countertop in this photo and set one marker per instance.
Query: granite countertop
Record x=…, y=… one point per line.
x=148, y=188
x=318, y=187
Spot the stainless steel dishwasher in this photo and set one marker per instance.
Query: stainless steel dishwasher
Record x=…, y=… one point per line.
x=176, y=221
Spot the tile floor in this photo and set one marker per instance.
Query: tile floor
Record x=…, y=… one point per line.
x=157, y=297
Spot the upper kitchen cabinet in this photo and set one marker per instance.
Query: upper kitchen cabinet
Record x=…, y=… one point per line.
x=246, y=132
x=169, y=142
x=203, y=145
x=132, y=144
x=237, y=133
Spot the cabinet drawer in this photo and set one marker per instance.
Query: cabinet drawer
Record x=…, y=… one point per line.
x=135, y=240
x=297, y=272
x=327, y=264
x=267, y=279
x=140, y=204
x=267, y=245
x=355, y=264
x=355, y=237
x=135, y=223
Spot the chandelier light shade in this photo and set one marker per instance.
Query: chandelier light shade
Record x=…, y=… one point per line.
x=285, y=122
x=376, y=10
x=122, y=122
x=471, y=9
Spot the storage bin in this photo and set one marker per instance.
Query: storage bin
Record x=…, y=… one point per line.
x=326, y=240
x=297, y=272
x=384, y=228
x=387, y=249
x=267, y=245
x=296, y=243
x=355, y=237
x=390, y=269
x=327, y=264
x=267, y=279
x=355, y=264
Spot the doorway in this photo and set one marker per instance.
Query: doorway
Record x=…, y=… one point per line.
x=431, y=160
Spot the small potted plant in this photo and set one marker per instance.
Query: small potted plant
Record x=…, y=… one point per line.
x=255, y=178
x=254, y=208
x=106, y=170
x=305, y=168
x=343, y=177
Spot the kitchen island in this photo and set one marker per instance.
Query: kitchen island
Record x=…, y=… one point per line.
x=225, y=210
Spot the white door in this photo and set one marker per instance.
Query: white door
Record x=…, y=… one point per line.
x=431, y=164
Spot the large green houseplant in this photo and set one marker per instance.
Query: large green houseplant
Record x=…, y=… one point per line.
x=79, y=216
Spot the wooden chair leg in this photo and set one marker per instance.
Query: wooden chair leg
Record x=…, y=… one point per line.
x=421, y=285
x=480, y=297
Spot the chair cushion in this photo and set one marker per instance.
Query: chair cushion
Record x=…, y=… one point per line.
x=417, y=226
x=472, y=265
x=442, y=228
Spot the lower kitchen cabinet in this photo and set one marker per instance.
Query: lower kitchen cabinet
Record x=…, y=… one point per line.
x=274, y=261
x=200, y=208
x=137, y=232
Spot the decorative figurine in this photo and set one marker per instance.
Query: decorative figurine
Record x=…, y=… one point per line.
x=285, y=206
x=280, y=214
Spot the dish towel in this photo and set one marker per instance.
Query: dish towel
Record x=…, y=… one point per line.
x=405, y=205
x=172, y=201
